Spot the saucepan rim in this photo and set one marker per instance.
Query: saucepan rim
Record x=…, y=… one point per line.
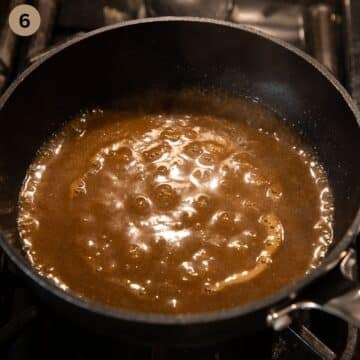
x=203, y=317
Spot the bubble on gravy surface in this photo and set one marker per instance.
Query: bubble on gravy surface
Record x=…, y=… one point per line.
x=187, y=203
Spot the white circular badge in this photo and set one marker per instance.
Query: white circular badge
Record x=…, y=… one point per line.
x=24, y=20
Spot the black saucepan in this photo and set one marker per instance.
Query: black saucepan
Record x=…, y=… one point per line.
x=176, y=53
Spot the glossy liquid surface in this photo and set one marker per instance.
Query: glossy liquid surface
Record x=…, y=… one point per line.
x=175, y=210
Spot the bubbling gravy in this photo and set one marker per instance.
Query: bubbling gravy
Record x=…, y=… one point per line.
x=187, y=203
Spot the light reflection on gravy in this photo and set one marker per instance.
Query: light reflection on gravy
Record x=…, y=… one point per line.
x=194, y=206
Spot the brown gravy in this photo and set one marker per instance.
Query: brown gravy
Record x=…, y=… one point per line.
x=176, y=211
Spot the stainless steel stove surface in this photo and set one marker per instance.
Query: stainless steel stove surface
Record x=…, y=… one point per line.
x=329, y=30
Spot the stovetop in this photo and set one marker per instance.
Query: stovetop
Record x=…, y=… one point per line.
x=328, y=30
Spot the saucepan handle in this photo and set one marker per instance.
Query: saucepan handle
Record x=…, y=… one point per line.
x=345, y=306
